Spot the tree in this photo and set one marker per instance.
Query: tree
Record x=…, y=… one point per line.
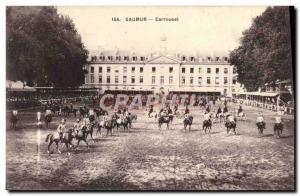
x=265, y=53
x=43, y=47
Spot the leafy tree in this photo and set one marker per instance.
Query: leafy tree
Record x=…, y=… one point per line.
x=43, y=47
x=265, y=53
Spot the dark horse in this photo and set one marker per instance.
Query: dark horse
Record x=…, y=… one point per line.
x=67, y=111
x=261, y=126
x=278, y=128
x=13, y=121
x=109, y=125
x=131, y=117
x=206, y=125
x=48, y=119
x=81, y=135
x=164, y=119
x=121, y=122
x=188, y=121
x=230, y=126
x=66, y=138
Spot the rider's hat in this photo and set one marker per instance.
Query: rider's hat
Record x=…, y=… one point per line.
x=63, y=120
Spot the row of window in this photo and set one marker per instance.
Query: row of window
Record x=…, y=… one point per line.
x=208, y=70
x=162, y=80
x=118, y=58
x=208, y=80
x=142, y=58
x=183, y=70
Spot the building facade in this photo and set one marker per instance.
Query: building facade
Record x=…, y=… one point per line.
x=116, y=71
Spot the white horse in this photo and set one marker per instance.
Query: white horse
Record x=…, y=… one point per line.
x=241, y=116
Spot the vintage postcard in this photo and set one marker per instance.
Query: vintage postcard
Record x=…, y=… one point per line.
x=150, y=98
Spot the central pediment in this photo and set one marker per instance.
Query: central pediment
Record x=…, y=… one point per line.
x=163, y=60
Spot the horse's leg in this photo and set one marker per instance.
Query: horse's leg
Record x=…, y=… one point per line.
x=168, y=125
x=49, y=145
x=190, y=127
x=86, y=144
x=57, y=147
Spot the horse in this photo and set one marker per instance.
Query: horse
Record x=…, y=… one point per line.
x=163, y=119
x=81, y=135
x=188, y=121
x=100, y=112
x=121, y=122
x=241, y=116
x=230, y=126
x=82, y=112
x=109, y=125
x=67, y=111
x=13, y=121
x=260, y=126
x=220, y=116
x=206, y=125
x=89, y=130
x=131, y=117
x=48, y=119
x=278, y=128
x=66, y=138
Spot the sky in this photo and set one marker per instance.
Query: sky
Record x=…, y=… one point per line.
x=200, y=30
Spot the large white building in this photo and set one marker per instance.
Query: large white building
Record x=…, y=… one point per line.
x=129, y=71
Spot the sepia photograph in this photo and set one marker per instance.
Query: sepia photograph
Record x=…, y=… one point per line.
x=150, y=98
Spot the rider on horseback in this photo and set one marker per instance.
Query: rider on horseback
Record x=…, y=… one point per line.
x=278, y=123
x=207, y=117
x=186, y=110
x=260, y=119
x=240, y=110
x=77, y=125
x=150, y=111
x=61, y=128
x=218, y=112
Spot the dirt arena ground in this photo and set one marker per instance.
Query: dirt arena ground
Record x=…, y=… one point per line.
x=146, y=158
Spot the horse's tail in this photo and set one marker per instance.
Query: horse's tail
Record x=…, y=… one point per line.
x=48, y=137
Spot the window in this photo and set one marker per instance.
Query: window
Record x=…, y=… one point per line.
x=110, y=58
x=170, y=79
x=183, y=80
x=132, y=79
x=132, y=69
x=141, y=69
x=191, y=70
x=225, y=80
x=153, y=79
x=191, y=80
x=134, y=58
x=183, y=70
x=153, y=69
x=233, y=81
x=100, y=70
x=92, y=69
x=225, y=70
x=92, y=78
x=142, y=58
x=217, y=80
x=124, y=69
x=116, y=71
x=208, y=80
x=100, y=79
x=116, y=79
x=192, y=58
x=183, y=58
x=170, y=69
x=162, y=80
x=199, y=81
x=141, y=79
x=108, y=69
x=126, y=58
x=108, y=79
x=200, y=70
x=208, y=70
x=217, y=70
x=124, y=79
x=217, y=58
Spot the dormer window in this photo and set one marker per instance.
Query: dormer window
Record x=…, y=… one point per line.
x=208, y=58
x=142, y=58
x=217, y=58
x=134, y=58
x=192, y=58
x=183, y=58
